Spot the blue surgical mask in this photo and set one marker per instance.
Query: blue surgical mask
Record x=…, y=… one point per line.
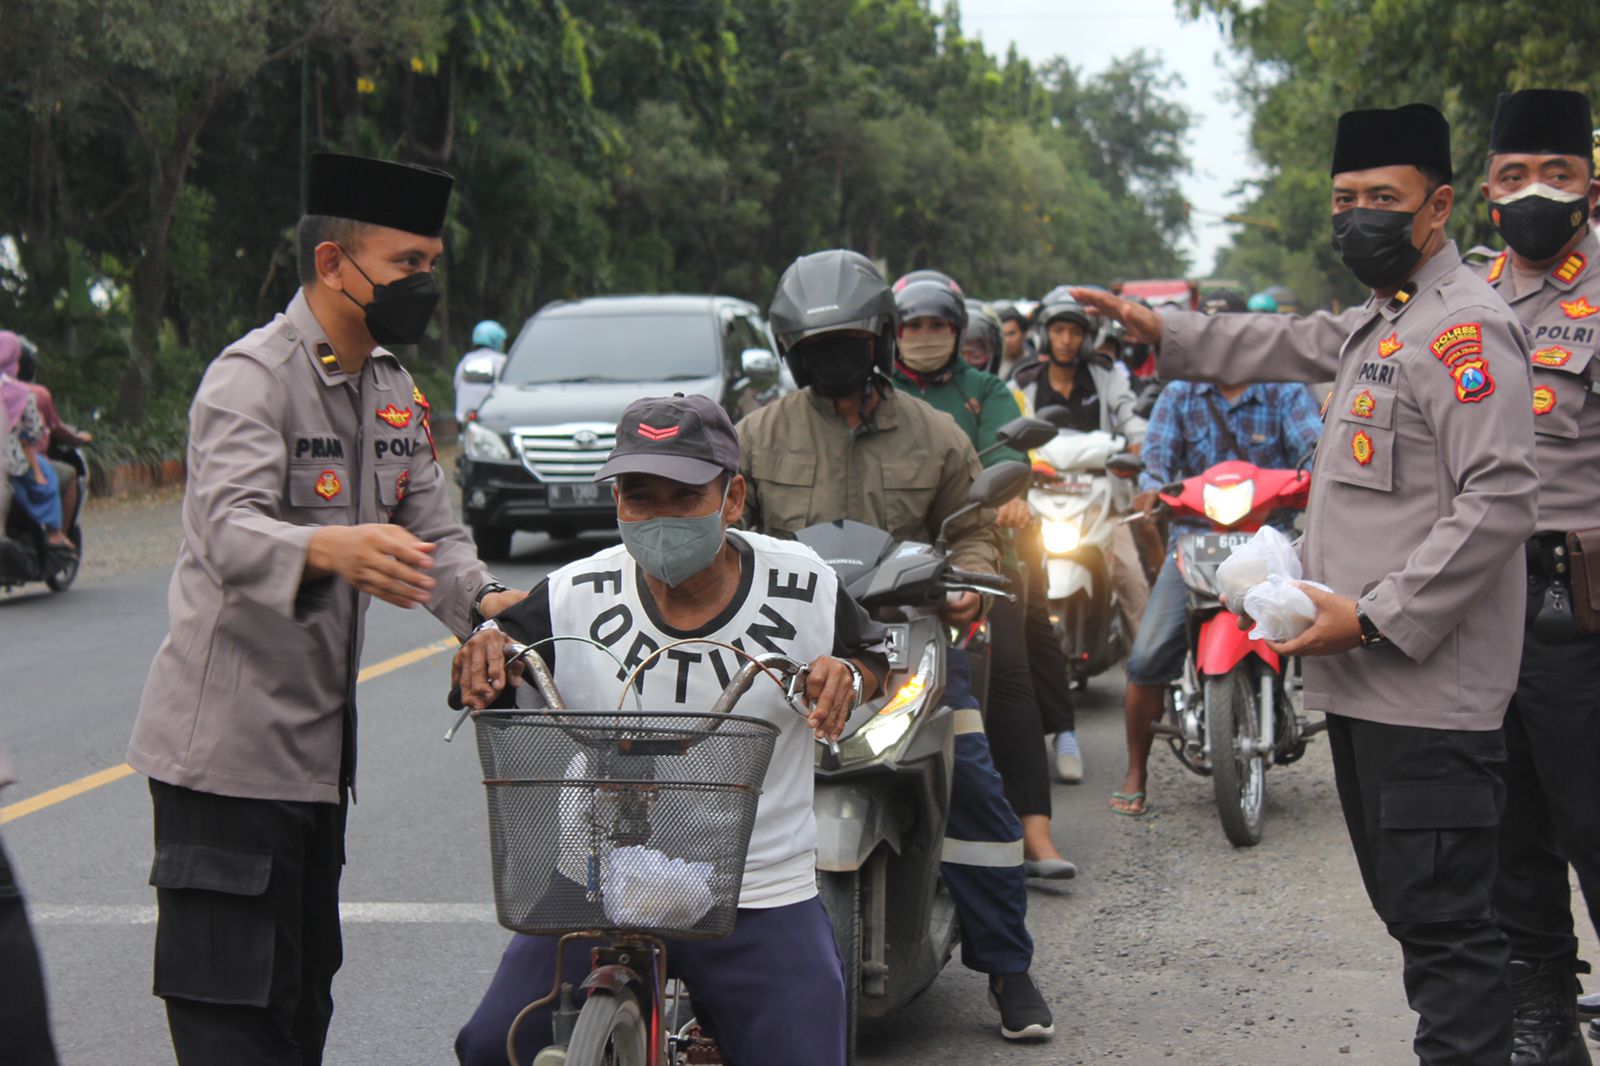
x=675, y=549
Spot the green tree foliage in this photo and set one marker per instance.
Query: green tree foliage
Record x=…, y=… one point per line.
x=1305, y=61
x=154, y=178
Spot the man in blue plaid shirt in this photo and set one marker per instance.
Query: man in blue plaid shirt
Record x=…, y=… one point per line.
x=1195, y=426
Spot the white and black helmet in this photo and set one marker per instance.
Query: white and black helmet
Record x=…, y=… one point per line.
x=830, y=292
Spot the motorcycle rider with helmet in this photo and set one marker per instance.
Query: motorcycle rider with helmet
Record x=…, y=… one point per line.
x=849, y=445
x=1018, y=350
x=934, y=322
x=982, y=344
x=489, y=338
x=1097, y=396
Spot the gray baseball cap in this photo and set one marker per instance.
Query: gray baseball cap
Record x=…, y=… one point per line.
x=685, y=438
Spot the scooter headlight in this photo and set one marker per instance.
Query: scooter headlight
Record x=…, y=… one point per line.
x=1061, y=536
x=894, y=718
x=1227, y=504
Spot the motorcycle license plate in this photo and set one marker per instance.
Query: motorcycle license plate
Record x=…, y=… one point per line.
x=579, y=495
x=1215, y=547
x=1073, y=484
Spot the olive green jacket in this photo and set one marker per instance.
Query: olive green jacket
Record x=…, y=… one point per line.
x=904, y=471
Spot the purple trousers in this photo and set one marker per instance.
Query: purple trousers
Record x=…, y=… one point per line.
x=771, y=992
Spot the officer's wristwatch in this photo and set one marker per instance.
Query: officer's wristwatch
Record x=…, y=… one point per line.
x=475, y=617
x=1370, y=637
x=857, y=682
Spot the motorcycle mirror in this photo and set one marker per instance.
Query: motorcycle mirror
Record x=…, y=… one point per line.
x=1056, y=415
x=1125, y=465
x=1023, y=434
x=996, y=485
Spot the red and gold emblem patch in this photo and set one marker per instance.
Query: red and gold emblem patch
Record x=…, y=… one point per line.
x=398, y=417
x=1364, y=405
x=328, y=485
x=427, y=426
x=1472, y=379
x=1555, y=355
x=1544, y=400
x=1389, y=345
x=1361, y=448
x=1579, y=308
x=1571, y=267
x=402, y=485
x=1497, y=268
x=1460, y=341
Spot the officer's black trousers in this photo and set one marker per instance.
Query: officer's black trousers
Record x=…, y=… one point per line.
x=1046, y=661
x=24, y=1016
x=1552, y=776
x=248, y=937
x=1422, y=807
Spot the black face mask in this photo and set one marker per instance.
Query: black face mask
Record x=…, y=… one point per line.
x=399, y=311
x=1537, y=225
x=838, y=367
x=1376, y=245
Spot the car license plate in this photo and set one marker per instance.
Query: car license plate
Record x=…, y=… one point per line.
x=579, y=495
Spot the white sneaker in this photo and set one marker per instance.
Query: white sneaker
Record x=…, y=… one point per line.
x=1069, y=760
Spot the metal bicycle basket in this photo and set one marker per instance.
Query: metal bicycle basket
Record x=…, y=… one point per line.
x=621, y=822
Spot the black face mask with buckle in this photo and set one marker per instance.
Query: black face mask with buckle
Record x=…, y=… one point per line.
x=1537, y=222
x=398, y=312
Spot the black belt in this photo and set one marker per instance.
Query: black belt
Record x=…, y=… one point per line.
x=1547, y=560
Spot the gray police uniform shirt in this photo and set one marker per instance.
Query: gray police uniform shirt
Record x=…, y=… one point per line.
x=247, y=693
x=1562, y=315
x=1424, y=487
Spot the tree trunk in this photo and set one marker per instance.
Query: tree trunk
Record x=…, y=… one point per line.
x=150, y=278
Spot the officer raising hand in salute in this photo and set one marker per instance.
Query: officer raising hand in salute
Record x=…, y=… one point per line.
x=313, y=486
x=1422, y=496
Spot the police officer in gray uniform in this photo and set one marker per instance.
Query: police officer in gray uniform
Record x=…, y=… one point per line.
x=313, y=486
x=1423, y=493
x=1540, y=186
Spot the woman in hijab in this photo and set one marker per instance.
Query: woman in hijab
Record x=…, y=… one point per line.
x=33, y=481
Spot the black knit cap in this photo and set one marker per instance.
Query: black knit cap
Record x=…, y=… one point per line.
x=1415, y=135
x=403, y=196
x=1542, y=122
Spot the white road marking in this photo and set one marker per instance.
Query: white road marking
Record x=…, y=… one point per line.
x=350, y=913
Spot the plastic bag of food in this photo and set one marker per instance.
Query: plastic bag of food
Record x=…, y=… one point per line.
x=1265, y=555
x=1280, y=608
x=643, y=887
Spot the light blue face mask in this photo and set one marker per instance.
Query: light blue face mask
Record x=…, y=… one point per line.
x=675, y=549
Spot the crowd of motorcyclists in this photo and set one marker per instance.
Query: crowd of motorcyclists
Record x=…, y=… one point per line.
x=1427, y=522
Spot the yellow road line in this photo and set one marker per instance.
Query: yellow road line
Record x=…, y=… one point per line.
x=73, y=789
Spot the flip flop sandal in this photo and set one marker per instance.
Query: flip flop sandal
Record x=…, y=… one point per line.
x=1129, y=798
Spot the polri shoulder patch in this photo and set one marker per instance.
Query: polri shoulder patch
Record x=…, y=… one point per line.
x=1473, y=381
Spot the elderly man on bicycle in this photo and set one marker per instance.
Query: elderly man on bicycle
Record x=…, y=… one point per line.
x=772, y=992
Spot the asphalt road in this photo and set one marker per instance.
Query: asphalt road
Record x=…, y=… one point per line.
x=1171, y=946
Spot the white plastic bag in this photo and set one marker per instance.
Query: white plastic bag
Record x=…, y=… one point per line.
x=1279, y=608
x=643, y=887
x=1265, y=555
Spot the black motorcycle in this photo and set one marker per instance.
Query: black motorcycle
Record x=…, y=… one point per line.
x=26, y=556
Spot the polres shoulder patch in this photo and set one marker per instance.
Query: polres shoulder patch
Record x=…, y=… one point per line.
x=1460, y=341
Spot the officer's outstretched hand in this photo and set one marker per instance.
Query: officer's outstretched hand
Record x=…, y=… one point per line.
x=1337, y=629
x=830, y=689
x=1142, y=323
x=380, y=559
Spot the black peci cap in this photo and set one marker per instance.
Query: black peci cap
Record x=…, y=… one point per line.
x=403, y=196
x=1542, y=122
x=1415, y=135
x=685, y=438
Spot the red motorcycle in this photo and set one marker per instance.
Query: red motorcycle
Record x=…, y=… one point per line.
x=1234, y=712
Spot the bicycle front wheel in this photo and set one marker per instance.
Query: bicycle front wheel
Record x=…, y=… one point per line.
x=611, y=1031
